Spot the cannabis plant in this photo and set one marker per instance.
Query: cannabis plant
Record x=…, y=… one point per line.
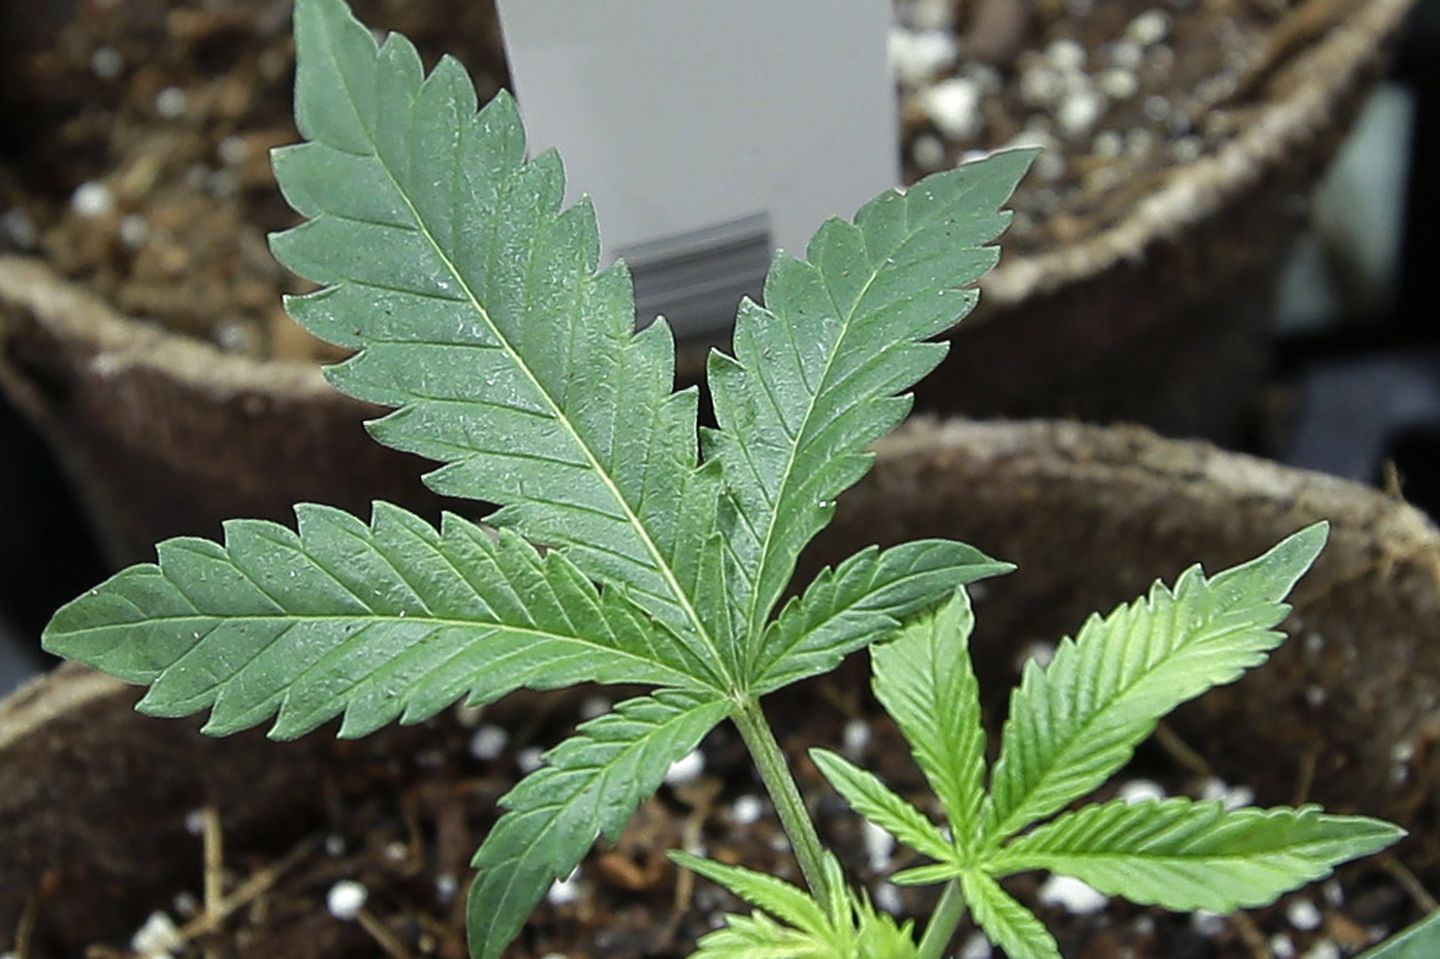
x=630, y=548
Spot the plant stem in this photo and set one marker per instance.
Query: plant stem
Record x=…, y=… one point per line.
x=943, y=922
x=794, y=817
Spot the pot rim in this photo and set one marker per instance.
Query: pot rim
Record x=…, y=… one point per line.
x=1193, y=192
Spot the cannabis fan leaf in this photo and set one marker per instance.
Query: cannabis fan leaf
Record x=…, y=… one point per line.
x=476, y=309
x=1072, y=724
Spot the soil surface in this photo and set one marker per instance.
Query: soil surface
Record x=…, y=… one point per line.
x=136, y=151
x=404, y=827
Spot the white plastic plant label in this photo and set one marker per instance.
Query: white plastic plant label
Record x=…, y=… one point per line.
x=707, y=132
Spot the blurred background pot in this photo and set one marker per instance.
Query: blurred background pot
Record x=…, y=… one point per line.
x=94, y=799
x=1154, y=312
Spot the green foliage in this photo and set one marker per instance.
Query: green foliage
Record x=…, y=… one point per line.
x=846, y=927
x=627, y=546
x=1420, y=941
x=476, y=309
x=1074, y=723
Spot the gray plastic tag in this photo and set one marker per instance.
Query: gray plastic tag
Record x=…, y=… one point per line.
x=708, y=132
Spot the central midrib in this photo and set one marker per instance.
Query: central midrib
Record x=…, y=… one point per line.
x=666, y=573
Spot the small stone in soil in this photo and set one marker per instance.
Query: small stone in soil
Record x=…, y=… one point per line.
x=685, y=769
x=1072, y=895
x=159, y=937
x=446, y=885
x=1281, y=946
x=1324, y=949
x=1206, y=923
x=335, y=845
x=594, y=707
x=346, y=898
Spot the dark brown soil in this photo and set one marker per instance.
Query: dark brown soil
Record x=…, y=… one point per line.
x=136, y=140
x=405, y=826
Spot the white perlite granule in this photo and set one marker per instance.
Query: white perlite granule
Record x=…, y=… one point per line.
x=565, y=891
x=346, y=898
x=953, y=105
x=747, y=810
x=157, y=938
x=1072, y=895
x=685, y=769
x=879, y=846
x=855, y=738
x=976, y=947
x=92, y=199
x=488, y=742
x=1141, y=790
x=1302, y=914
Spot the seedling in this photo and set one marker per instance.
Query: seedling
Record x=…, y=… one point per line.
x=475, y=308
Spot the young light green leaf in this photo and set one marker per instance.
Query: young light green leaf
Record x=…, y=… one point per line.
x=818, y=370
x=760, y=937
x=926, y=683
x=846, y=926
x=871, y=798
x=1076, y=722
x=1186, y=855
x=1008, y=924
x=386, y=621
x=588, y=787
x=1420, y=941
x=764, y=892
x=863, y=600
x=476, y=308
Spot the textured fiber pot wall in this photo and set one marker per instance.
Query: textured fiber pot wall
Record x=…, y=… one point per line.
x=1156, y=319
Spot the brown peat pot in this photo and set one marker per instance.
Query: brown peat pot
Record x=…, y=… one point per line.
x=94, y=799
x=1156, y=317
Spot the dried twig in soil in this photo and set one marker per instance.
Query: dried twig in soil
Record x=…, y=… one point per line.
x=1251, y=935
x=248, y=890
x=1182, y=752
x=214, y=868
x=382, y=935
x=1407, y=881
